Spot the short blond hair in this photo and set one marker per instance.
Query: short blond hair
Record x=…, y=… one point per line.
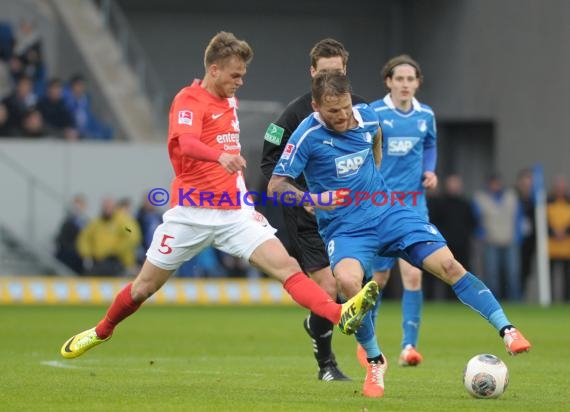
x=225, y=45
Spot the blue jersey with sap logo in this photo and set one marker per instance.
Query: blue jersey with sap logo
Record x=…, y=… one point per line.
x=331, y=161
x=409, y=147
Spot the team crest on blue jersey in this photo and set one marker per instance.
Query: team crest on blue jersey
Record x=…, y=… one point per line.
x=401, y=146
x=368, y=137
x=349, y=165
x=422, y=125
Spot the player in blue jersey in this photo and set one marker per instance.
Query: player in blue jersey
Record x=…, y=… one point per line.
x=305, y=244
x=408, y=165
x=338, y=149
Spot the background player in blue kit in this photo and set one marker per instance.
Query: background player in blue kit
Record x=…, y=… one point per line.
x=338, y=150
x=409, y=157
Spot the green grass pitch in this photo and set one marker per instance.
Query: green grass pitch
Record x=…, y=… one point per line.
x=259, y=359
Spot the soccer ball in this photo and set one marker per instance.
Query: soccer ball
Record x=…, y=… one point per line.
x=486, y=376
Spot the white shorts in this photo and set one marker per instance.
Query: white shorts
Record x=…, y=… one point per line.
x=186, y=231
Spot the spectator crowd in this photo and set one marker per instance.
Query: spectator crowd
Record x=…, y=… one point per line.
x=33, y=104
x=115, y=242
x=496, y=231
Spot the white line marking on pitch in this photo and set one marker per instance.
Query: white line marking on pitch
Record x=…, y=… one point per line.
x=58, y=364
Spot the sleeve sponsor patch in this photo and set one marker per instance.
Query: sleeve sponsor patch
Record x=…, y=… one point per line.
x=185, y=117
x=274, y=134
x=289, y=149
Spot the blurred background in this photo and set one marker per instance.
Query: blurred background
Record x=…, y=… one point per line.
x=85, y=88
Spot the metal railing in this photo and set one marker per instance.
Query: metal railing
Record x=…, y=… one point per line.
x=115, y=21
x=33, y=188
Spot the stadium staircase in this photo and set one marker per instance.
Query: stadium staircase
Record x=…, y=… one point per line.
x=118, y=65
x=19, y=253
x=17, y=258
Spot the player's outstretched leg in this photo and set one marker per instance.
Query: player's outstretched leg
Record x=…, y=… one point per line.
x=471, y=291
x=354, y=309
x=122, y=306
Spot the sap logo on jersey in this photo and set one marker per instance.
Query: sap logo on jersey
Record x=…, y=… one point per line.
x=350, y=164
x=401, y=146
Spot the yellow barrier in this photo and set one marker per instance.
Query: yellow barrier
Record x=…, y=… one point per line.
x=93, y=291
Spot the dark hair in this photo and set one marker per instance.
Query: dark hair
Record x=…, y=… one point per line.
x=328, y=48
x=124, y=202
x=76, y=78
x=54, y=81
x=329, y=83
x=388, y=69
x=225, y=45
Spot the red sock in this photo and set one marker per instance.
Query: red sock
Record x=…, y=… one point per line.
x=122, y=306
x=307, y=293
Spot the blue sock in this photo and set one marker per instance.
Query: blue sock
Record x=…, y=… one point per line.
x=366, y=336
x=412, y=302
x=376, y=307
x=372, y=348
x=475, y=294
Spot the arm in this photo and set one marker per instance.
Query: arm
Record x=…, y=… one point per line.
x=276, y=137
x=430, y=157
x=193, y=147
x=280, y=186
x=377, y=148
x=278, y=133
x=429, y=177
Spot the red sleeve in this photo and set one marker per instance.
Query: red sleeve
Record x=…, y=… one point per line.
x=193, y=147
x=185, y=115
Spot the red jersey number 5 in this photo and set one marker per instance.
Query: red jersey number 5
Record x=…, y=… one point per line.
x=164, y=248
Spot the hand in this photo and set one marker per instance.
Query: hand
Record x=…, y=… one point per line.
x=232, y=163
x=310, y=209
x=430, y=180
x=325, y=200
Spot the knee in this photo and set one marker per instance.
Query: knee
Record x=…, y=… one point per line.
x=414, y=282
x=348, y=284
x=452, y=270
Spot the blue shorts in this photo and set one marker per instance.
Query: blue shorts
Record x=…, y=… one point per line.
x=393, y=235
x=383, y=263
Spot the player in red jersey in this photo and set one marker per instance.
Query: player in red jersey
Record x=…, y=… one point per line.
x=203, y=144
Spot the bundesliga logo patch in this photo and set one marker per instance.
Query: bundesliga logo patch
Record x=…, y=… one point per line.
x=185, y=117
x=289, y=149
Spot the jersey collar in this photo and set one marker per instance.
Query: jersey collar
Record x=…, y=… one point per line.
x=388, y=101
